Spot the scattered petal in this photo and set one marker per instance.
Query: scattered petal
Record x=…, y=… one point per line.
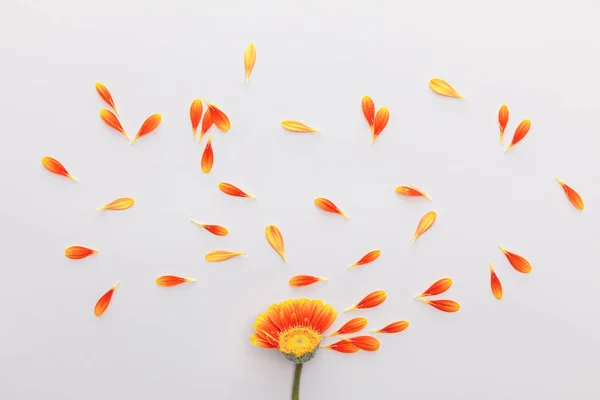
x=249, y=60
x=366, y=343
x=343, y=346
x=172, y=280
x=442, y=87
x=106, y=96
x=443, y=305
x=304, y=280
x=216, y=230
x=208, y=157
x=369, y=301
x=111, y=120
x=221, y=255
x=394, y=327
x=572, y=195
x=206, y=123
x=518, y=262
x=520, y=133
x=218, y=117
x=412, y=191
x=328, y=206
x=438, y=287
x=368, y=108
x=381, y=119
x=122, y=203
x=276, y=241
x=78, y=252
x=56, y=167
x=495, y=284
x=231, y=190
x=424, y=224
x=502, y=120
x=296, y=126
x=150, y=124
x=367, y=258
x=104, y=301
x=352, y=326
x=195, y=115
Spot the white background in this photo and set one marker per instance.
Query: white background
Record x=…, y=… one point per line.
x=315, y=60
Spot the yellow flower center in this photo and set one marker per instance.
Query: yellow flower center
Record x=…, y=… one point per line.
x=299, y=341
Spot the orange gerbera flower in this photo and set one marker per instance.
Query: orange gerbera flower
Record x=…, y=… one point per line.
x=295, y=328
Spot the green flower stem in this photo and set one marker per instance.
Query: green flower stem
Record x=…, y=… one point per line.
x=296, y=386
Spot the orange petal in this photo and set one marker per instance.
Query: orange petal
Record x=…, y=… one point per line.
x=276, y=241
x=424, y=224
x=443, y=305
x=106, y=96
x=328, y=206
x=352, y=326
x=122, y=203
x=231, y=190
x=381, y=119
x=366, y=343
x=208, y=157
x=442, y=87
x=104, y=301
x=572, y=195
x=412, y=191
x=495, y=284
x=56, y=167
x=304, y=280
x=257, y=340
x=150, y=124
x=343, y=346
x=195, y=115
x=371, y=300
x=78, y=252
x=206, y=123
x=502, y=120
x=111, y=120
x=216, y=230
x=367, y=258
x=172, y=280
x=296, y=126
x=221, y=255
x=394, y=327
x=438, y=287
x=249, y=60
x=218, y=117
x=518, y=262
x=368, y=108
x=520, y=133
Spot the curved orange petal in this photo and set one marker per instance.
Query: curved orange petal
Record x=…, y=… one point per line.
x=443, y=88
x=206, y=123
x=394, y=327
x=327, y=205
x=502, y=120
x=438, y=287
x=56, y=167
x=275, y=239
x=218, y=117
x=520, y=133
x=381, y=120
x=122, y=203
x=104, y=301
x=366, y=343
x=304, y=280
x=111, y=120
x=150, y=124
x=208, y=157
x=495, y=284
x=518, y=262
x=216, y=230
x=368, y=108
x=572, y=195
x=249, y=60
x=106, y=96
x=411, y=191
x=425, y=223
x=257, y=340
x=172, y=280
x=444, y=305
x=371, y=300
x=221, y=255
x=296, y=126
x=352, y=326
x=195, y=115
x=79, y=252
x=231, y=190
x=367, y=258
x=343, y=346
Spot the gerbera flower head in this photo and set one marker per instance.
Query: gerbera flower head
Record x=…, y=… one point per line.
x=294, y=327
